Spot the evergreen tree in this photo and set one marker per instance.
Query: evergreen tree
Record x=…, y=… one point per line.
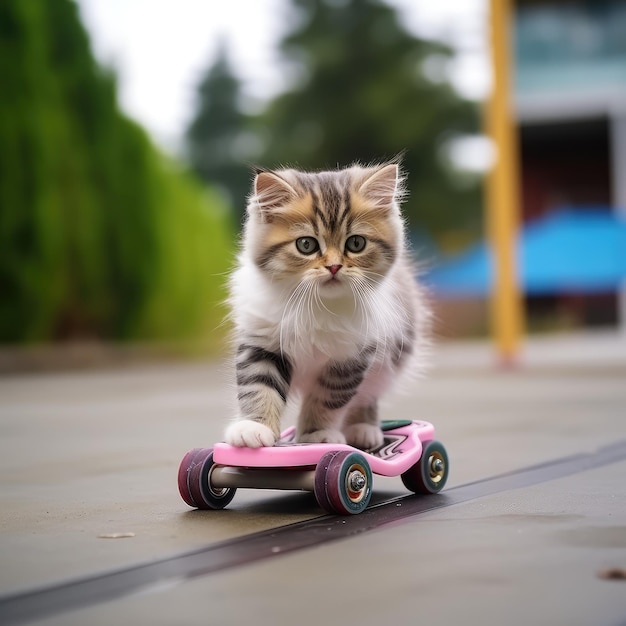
x=216, y=138
x=364, y=95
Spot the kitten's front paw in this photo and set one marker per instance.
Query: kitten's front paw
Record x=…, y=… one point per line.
x=249, y=434
x=364, y=436
x=323, y=436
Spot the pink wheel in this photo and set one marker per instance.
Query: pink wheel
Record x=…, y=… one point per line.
x=183, y=473
x=343, y=482
x=197, y=483
x=319, y=488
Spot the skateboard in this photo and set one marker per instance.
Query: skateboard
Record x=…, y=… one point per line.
x=339, y=475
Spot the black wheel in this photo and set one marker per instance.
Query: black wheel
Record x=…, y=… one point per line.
x=198, y=484
x=343, y=482
x=430, y=473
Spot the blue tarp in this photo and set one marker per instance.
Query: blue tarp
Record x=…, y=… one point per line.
x=582, y=251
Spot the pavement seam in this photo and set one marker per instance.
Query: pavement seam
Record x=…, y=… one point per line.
x=60, y=598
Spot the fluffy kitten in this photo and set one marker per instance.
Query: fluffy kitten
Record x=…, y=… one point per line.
x=325, y=305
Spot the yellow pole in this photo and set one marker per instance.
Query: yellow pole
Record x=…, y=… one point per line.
x=502, y=218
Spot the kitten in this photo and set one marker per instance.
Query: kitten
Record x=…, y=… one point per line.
x=325, y=305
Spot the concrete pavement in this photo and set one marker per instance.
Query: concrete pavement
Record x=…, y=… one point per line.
x=84, y=454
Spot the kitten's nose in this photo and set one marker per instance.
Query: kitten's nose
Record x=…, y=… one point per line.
x=333, y=269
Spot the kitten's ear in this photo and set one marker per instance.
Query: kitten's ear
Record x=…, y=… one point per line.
x=271, y=193
x=380, y=188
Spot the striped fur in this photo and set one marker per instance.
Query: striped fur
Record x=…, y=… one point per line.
x=335, y=325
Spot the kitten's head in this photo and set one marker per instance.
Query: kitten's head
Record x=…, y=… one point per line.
x=334, y=230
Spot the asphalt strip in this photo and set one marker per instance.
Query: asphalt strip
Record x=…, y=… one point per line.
x=165, y=573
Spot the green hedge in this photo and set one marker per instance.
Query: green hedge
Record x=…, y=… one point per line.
x=100, y=235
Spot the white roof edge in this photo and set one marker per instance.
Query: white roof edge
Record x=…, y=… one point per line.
x=570, y=105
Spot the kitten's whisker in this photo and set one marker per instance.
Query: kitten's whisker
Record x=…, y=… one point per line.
x=368, y=276
x=396, y=308
x=368, y=291
x=301, y=317
x=294, y=300
x=320, y=302
x=304, y=330
x=361, y=305
x=365, y=296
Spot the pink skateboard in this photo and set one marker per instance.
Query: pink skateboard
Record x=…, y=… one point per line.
x=339, y=475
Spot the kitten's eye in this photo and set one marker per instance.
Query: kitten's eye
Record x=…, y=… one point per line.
x=307, y=245
x=355, y=243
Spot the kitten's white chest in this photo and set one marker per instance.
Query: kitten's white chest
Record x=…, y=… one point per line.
x=327, y=331
x=312, y=328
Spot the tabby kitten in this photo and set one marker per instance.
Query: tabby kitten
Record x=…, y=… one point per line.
x=325, y=305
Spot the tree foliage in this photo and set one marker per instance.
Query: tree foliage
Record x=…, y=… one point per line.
x=361, y=94
x=216, y=136
x=100, y=236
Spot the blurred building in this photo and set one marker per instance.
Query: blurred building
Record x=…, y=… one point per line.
x=570, y=97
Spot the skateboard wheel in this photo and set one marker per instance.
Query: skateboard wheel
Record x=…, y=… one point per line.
x=183, y=473
x=343, y=482
x=430, y=473
x=319, y=488
x=202, y=494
